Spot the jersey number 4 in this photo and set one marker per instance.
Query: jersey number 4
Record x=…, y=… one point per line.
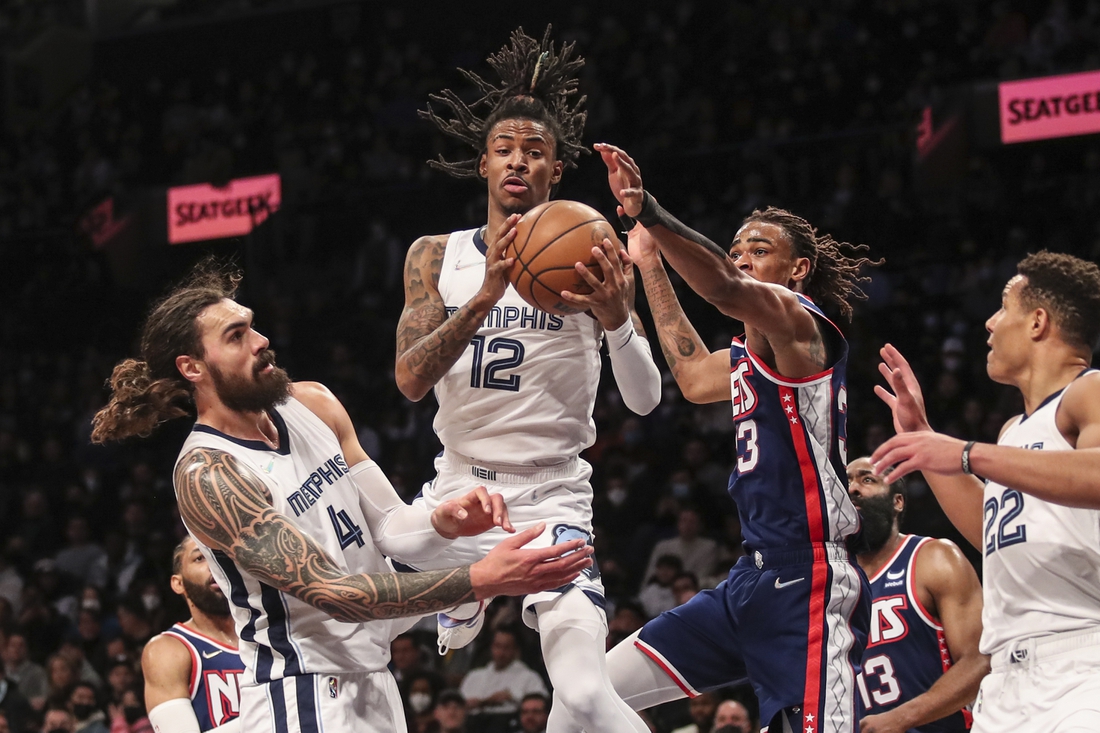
x=347, y=531
x=1009, y=508
x=487, y=375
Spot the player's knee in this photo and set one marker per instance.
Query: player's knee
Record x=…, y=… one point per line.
x=583, y=700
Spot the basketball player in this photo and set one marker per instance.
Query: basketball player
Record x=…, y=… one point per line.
x=515, y=385
x=193, y=671
x=1036, y=519
x=922, y=663
x=293, y=518
x=792, y=615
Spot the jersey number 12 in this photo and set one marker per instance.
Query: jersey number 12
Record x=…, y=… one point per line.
x=487, y=375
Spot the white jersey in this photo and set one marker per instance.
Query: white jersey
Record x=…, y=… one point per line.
x=1042, y=560
x=523, y=390
x=280, y=636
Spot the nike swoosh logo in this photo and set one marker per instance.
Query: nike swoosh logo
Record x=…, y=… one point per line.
x=210, y=655
x=779, y=585
x=895, y=576
x=460, y=266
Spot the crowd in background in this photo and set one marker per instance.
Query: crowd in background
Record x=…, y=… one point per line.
x=727, y=106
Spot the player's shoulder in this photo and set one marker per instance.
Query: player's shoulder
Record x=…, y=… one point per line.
x=165, y=651
x=939, y=561
x=319, y=399
x=427, y=246
x=1082, y=395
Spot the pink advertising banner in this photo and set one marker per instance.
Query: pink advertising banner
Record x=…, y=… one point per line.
x=203, y=212
x=1049, y=107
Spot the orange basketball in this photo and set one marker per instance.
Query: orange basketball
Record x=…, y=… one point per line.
x=550, y=239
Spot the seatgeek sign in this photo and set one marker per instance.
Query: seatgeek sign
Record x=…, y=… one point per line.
x=203, y=212
x=1050, y=107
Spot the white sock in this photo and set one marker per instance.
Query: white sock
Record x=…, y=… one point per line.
x=572, y=630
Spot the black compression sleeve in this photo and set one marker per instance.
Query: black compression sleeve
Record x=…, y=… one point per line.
x=653, y=214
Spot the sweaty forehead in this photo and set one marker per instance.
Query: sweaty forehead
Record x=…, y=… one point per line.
x=223, y=313
x=760, y=230
x=1013, y=286
x=860, y=465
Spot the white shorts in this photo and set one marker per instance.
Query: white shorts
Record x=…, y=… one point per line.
x=345, y=703
x=559, y=495
x=1045, y=685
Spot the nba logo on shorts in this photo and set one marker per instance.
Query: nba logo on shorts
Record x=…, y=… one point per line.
x=332, y=687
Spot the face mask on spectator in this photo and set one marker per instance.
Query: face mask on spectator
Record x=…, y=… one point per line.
x=151, y=601
x=83, y=712
x=616, y=496
x=420, y=701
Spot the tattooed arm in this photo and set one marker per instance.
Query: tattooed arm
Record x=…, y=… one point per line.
x=428, y=341
x=228, y=508
x=702, y=376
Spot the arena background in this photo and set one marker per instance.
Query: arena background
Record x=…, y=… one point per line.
x=875, y=120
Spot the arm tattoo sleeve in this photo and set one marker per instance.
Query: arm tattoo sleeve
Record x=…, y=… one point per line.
x=229, y=509
x=428, y=342
x=680, y=342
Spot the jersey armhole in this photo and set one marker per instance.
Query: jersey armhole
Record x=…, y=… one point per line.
x=196, y=665
x=911, y=589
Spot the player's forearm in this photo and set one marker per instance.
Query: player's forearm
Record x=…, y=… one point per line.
x=403, y=532
x=681, y=344
x=950, y=693
x=636, y=375
x=1067, y=477
x=961, y=499
x=423, y=361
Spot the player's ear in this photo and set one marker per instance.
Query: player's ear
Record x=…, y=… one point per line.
x=483, y=166
x=801, y=269
x=176, y=583
x=1040, y=324
x=559, y=168
x=191, y=368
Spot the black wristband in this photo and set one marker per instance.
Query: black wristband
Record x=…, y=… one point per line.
x=652, y=214
x=966, y=458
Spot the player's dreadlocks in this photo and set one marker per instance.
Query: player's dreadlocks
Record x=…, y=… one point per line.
x=834, y=277
x=536, y=83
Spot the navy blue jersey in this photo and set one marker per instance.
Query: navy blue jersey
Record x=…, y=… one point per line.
x=791, y=453
x=216, y=672
x=906, y=648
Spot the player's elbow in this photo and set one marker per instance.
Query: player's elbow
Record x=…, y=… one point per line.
x=645, y=403
x=411, y=386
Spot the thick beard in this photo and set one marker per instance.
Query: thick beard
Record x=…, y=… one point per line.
x=258, y=394
x=210, y=601
x=878, y=520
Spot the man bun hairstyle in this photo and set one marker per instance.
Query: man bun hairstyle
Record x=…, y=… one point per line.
x=537, y=83
x=1069, y=289
x=148, y=391
x=834, y=277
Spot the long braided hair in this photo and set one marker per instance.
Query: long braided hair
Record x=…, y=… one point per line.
x=834, y=277
x=537, y=82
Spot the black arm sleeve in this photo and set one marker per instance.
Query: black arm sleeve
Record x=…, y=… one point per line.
x=653, y=214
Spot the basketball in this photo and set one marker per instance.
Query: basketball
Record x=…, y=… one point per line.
x=550, y=239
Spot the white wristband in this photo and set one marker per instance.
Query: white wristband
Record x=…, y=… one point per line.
x=636, y=375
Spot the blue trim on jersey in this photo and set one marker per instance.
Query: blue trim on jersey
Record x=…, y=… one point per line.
x=278, y=706
x=238, y=594
x=278, y=630
x=1045, y=402
x=308, y=721
x=280, y=426
x=482, y=247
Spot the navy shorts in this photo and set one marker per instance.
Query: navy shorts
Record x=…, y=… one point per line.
x=793, y=622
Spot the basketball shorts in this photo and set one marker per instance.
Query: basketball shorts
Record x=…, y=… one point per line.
x=1045, y=685
x=345, y=703
x=560, y=496
x=793, y=622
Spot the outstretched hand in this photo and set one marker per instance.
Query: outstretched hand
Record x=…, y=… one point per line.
x=922, y=450
x=510, y=570
x=612, y=298
x=471, y=514
x=623, y=176
x=906, y=402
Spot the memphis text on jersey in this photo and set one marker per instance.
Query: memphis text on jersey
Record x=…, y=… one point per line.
x=510, y=315
x=311, y=489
